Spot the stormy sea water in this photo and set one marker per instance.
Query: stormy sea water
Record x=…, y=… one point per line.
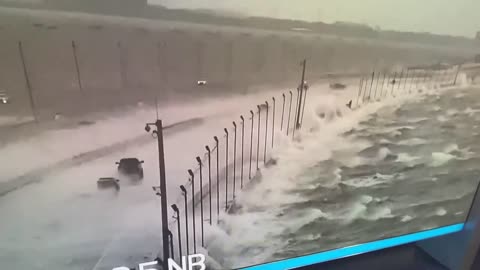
x=359, y=176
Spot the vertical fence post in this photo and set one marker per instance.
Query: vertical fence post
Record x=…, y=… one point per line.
x=243, y=142
x=406, y=79
x=192, y=179
x=266, y=134
x=27, y=82
x=251, y=147
x=273, y=120
x=365, y=89
x=383, y=84
x=295, y=116
x=79, y=80
x=226, y=169
x=185, y=194
x=400, y=80
x=209, y=153
x=387, y=79
x=179, y=236
x=199, y=160
x=393, y=83
x=376, y=87
x=359, y=90
x=417, y=79
x=258, y=134
x=234, y=157
x=304, y=103
x=289, y=111
x=371, y=85
x=283, y=111
x=411, y=82
x=218, y=179
x=301, y=86
x=421, y=81
x=459, y=67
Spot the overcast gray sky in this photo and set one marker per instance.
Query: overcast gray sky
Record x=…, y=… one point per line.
x=455, y=17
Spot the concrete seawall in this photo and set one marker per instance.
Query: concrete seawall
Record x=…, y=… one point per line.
x=124, y=61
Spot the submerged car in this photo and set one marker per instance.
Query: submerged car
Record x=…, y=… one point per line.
x=130, y=166
x=108, y=182
x=338, y=86
x=4, y=99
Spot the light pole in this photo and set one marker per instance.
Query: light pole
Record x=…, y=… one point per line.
x=158, y=132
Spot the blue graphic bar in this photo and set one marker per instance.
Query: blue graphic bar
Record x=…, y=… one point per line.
x=356, y=249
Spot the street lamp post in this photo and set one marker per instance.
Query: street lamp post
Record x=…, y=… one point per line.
x=158, y=132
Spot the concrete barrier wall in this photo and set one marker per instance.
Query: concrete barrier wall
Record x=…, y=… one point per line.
x=123, y=65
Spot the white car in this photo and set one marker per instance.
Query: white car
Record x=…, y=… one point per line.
x=4, y=99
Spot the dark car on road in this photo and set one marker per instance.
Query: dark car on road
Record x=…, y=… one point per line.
x=130, y=166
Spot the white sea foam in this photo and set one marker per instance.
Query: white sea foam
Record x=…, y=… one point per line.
x=406, y=158
x=470, y=111
x=310, y=237
x=417, y=120
x=442, y=118
x=384, y=141
x=440, y=158
x=413, y=141
x=361, y=210
x=368, y=181
x=406, y=218
x=380, y=213
x=382, y=199
x=440, y=212
x=451, y=148
x=451, y=112
x=382, y=154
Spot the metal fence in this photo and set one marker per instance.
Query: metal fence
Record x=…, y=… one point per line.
x=231, y=162
x=380, y=85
